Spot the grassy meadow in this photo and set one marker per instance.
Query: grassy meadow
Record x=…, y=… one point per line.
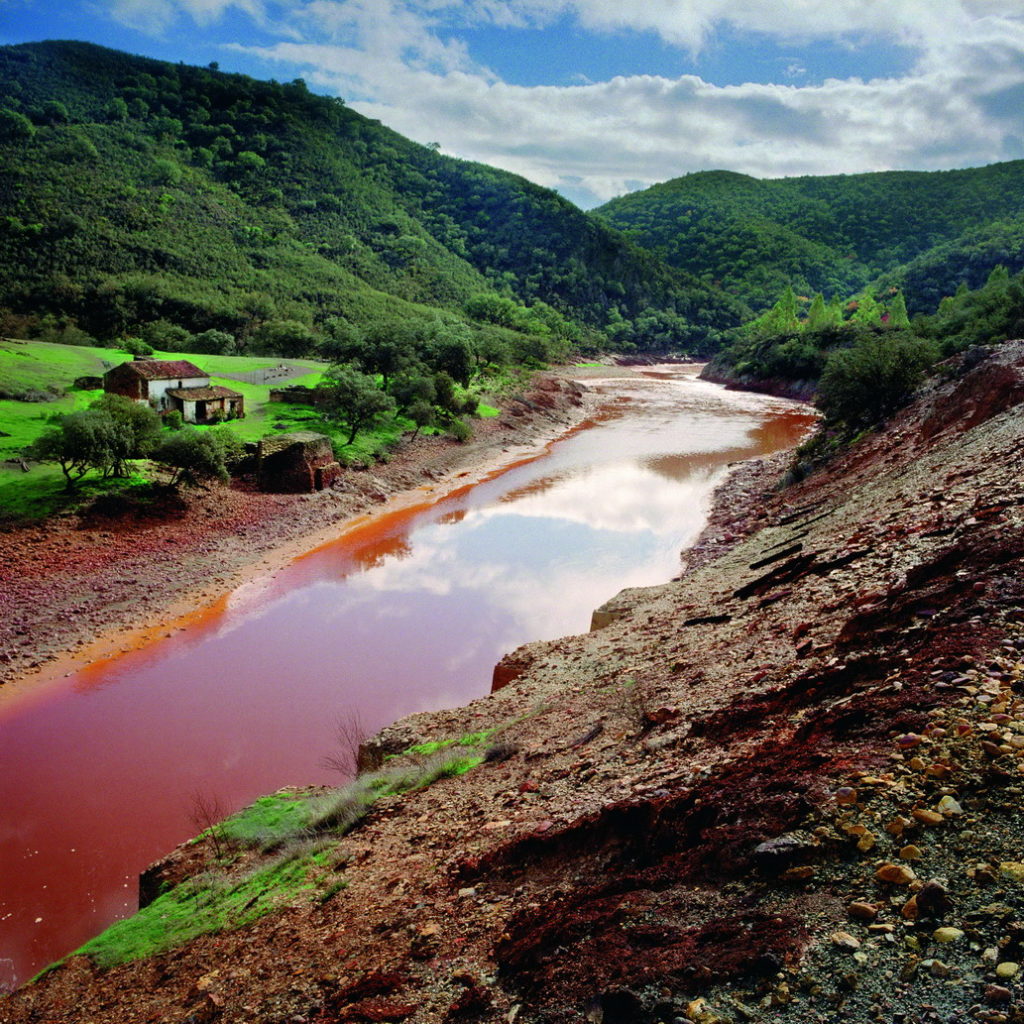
x=42, y=375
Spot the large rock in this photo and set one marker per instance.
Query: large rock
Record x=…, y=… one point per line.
x=296, y=463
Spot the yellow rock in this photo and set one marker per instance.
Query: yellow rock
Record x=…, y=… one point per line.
x=949, y=807
x=1012, y=869
x=798, y=874
x=911, y=852
x=895, y=874
x=947, y=934
x=700, y=1013
x=866, y=842
x=927, y=817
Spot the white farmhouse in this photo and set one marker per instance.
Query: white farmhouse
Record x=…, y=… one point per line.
x=168, y=384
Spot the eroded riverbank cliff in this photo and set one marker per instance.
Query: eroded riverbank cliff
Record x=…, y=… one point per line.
x=786, y=784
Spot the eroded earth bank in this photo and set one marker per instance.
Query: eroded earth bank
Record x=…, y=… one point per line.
x=784, y=786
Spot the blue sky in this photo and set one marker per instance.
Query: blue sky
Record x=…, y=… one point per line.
x=597, y=97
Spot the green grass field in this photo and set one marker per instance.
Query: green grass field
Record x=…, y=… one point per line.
x=46, y=369
x=51, y=369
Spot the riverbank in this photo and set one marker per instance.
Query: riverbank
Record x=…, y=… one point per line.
x=789, y=782
x=77, y=590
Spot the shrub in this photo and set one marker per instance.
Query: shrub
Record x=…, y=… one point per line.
x=863, y=385
x=136, y=347
x=460, y=430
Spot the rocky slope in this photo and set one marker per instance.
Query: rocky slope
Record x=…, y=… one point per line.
x=787, y=783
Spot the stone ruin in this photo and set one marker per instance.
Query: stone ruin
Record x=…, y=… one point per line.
x=296, y=463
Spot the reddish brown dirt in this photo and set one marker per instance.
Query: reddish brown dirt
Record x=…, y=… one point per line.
x=695, y=795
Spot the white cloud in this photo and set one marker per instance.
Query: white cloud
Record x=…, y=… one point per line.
x=156, y=16
x=403, y=61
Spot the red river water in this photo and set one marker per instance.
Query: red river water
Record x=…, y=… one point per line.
x=99, y=771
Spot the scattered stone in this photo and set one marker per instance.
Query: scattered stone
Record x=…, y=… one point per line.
x=895, y=874
x=1007, y=970
x=933, y=900
x=983, y=874
x=844, y=940
x=911, y=852
x=862, y=911
x=996, y=995
x=926, y=816
x=909, y=740
x=946, y=935
x=778, y=853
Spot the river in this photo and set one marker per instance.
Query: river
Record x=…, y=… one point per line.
x=100, y=772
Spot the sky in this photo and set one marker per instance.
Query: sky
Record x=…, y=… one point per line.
x=599, y=97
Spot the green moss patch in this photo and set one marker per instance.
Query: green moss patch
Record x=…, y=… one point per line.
x=274, y=817
x=207, y=903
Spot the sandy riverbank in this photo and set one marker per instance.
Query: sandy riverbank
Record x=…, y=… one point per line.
x=75, y=591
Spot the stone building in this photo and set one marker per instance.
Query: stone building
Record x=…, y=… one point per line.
x=296, y=463
x=168, y=384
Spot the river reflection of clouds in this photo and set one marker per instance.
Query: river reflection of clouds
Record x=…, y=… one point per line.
x=545, y=560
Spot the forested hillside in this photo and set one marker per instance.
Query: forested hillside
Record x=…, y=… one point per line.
x=140, y=193
x=924, y=231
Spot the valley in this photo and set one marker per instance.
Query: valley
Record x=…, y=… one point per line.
x=568, y=663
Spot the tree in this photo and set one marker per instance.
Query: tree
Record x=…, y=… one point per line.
x=289, y=338
x=451, y=351
x=136, y=430
x=196, y=457
x=412, y=386
x=781, y=318
x=116, y=110
x=422, y=414
x=78, y=443
x=821, y=316
x=387, y=348
x=54, y=112
x=353, y=398
x=15, y=127
x=862, y=385
x=867, y=311
x=897, y=312
x=214, y=342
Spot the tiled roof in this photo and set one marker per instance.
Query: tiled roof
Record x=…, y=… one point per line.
x=163, y=369
x=202, y=394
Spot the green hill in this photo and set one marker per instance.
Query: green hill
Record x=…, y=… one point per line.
x=138, y=192
x=925, y=231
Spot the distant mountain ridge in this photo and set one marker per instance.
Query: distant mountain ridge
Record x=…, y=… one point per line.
x=924, y=230
x=137, y=190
